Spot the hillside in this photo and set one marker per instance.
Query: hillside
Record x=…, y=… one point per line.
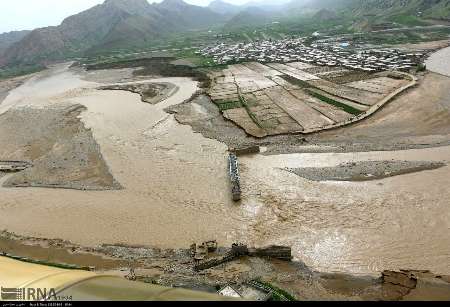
x=224, y=8
x=119, y=24
x=250, y=17
x=113, y=24
x=422, y=8
x=9, y=38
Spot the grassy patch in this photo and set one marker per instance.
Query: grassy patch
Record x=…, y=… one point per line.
x=421, y=68
x=196, y=59
x=306, y=86
x=250, y=113
x=335, y=103
x=408, y=20
x=294, y=81
x=17, y=71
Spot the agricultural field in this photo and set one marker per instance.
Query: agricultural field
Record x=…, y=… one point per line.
x=273, y=99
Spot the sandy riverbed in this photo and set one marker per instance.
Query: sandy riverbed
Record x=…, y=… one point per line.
x=439, y=62
x=176, y=190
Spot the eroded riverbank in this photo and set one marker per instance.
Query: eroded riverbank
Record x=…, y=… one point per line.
x=173, y=268
x=161, y=165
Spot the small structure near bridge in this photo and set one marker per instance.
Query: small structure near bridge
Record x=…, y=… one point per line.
x=246, y=150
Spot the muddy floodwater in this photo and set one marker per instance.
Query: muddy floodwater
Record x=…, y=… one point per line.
x=439, y=62
x=176, y=190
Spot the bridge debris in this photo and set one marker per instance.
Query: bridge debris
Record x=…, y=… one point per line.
x=234, y=176
x=203, y=261
x=246, y=150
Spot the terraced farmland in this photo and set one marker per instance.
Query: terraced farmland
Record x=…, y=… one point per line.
x=297, y=97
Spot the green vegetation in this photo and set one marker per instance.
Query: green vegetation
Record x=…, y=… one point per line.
x=306, y=86
x=250, y=113
x=294, y=81
x=20, y=71
x=404, y=36
x=421, y=68
x=228, y=105
x=335, y=103
x=408, y=20
x=197, y=60
x=277, y=293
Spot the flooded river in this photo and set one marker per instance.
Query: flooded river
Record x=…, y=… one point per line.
x=439, y=62
x=176, y=191
x=361, y=227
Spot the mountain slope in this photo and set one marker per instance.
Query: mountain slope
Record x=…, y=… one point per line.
x=113, y=24
x=188, y=16
x=425, y=8
x=224, y=8
x=250, y=17
x=7, y=39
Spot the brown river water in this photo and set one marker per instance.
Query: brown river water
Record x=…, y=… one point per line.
x=176, y=191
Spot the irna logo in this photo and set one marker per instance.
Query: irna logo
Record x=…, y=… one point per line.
x=27, y=294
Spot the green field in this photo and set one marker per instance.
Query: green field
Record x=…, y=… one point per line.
x=20, y=71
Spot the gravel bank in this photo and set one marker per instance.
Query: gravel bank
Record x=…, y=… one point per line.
x=365, y=170
x=63, y=152
x=152, y=93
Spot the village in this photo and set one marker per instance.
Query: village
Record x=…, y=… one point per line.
x=326, y=52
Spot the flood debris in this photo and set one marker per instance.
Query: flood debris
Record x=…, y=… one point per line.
x=251, y=150
x=274, y=251
x=131, y=275
x=205, y=259
x=200, y=252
